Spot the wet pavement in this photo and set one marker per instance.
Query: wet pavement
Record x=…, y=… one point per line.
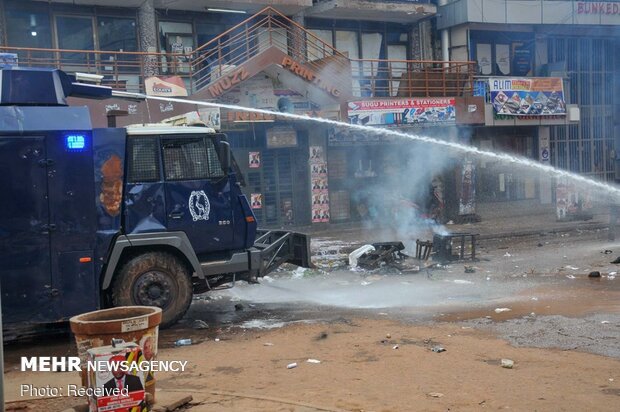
x=543, y=281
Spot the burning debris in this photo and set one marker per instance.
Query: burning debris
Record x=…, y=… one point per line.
x=381, y=254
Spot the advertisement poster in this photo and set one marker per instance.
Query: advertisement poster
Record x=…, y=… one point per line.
x=122, y=389
x=256, y=200
x=171, y=86
x=467, y=200
x=319, y=183
x=535, y=96
x=254, y=160
x=418, y=111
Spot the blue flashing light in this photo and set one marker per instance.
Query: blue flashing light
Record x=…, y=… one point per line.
x=75, y=142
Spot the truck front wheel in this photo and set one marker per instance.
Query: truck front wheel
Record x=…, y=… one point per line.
x=154, y=279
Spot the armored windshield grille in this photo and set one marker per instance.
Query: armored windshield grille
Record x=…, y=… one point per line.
x=190, y=159
x=215, y=167
x=143, y=160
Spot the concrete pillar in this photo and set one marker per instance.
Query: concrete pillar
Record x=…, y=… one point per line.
x=445, y=40
x=148, y=36
x=298, y=42
x=2, y=24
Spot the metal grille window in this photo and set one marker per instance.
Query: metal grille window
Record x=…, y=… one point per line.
x=587, y=147
x=143, y=159
x=190, y=158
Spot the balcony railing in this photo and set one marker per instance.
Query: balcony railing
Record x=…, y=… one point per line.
x=120, y=70
x=268, y=30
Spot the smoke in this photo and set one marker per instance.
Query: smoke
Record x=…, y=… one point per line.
x=401, y=187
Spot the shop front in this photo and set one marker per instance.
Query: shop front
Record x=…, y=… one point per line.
x=385, y=179
x=283, y=161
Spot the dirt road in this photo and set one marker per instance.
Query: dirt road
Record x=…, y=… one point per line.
x=373, y=334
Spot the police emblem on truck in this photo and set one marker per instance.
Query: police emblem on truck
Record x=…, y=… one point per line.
x=199, y=205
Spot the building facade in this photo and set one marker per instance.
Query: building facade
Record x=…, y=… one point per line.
x=575, y=41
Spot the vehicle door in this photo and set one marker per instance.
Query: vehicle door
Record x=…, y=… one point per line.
x=25, y=273
x=198, y=197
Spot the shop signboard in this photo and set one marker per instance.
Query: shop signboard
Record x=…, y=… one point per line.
x=170, y=86
x=281, y=136
x=532, y=96
x=406, y=111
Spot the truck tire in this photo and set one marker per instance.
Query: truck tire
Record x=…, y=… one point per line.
x=154, y=279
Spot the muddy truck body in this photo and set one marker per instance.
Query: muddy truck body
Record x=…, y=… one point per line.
x=102, y=217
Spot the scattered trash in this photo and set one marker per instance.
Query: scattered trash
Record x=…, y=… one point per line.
x=533, y=298
x=388, y=336
x=604, y=322
x=507, y=254
x=611, y=379
x=321, y=336
x=395, y=347
x=386, y=253
x=267, y=344
x=612, y=273
x=463, y=282
x=183, y=342
x=200, y=324
x=217, y=339
x=488, y=277
x=507, y=363
x=355, y=255
x=608, y=252
x=611, y=277
x=313, y=361
x=438, y=349
x=435, y=394
x=382, y=314
x=572, y=267
x=291, y=365
x=238, y=307
x=570, y=276
x=595, y=274
x=500, y=310
x=450, y=222
x=470, y=269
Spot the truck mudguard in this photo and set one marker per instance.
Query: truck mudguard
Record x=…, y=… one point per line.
x=177, y=240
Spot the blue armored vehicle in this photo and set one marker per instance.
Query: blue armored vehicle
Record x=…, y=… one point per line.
x=93, y=218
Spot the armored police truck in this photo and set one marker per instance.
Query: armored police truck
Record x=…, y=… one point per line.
x=92, y=218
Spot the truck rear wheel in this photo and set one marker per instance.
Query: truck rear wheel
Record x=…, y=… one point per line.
x=154, y=279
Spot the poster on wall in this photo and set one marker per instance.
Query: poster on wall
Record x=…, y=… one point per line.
x=256, y=200
x=467, y=200
x=254, y=160
x=319, y=185
x=408, y=111
x=534, y=96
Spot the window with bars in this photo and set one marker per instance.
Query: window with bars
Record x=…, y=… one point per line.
x=190, y=158
x=587, y=147
x=143, y=159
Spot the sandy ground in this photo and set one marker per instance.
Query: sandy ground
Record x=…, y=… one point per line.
x=373, y=333
x=361, y=371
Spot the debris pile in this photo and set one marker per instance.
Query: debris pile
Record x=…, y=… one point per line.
x=377, y=255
